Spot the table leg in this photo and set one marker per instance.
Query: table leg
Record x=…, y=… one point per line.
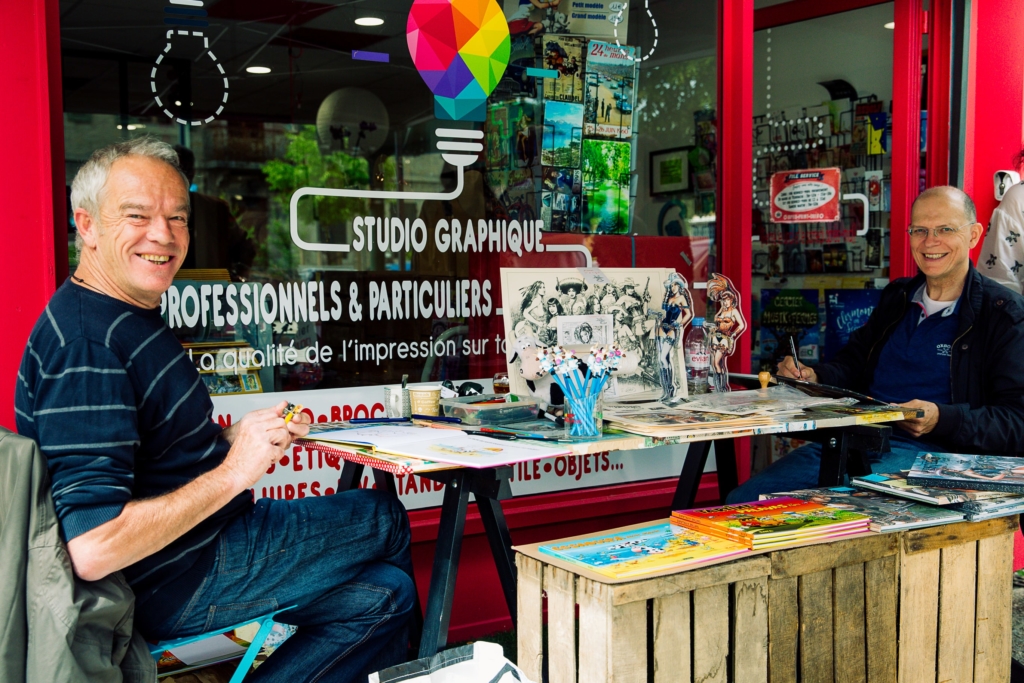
x=446, y=562
x=689, y=478
x=500, y=539
x=351, y=475
x=725, y=464
x=834, y=453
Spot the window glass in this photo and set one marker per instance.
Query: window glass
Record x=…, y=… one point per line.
x=822, y=100
x=333, y=245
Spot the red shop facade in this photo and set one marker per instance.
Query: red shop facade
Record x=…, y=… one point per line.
x=316, y=93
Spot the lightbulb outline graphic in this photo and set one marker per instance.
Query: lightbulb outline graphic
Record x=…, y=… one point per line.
x=160, y=58
x=459, y=147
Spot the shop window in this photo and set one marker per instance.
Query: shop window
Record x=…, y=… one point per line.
x=602, y=127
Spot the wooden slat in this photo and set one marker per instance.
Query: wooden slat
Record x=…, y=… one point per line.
x=993, y=627
x=529, y=629
x=560, y=586
x=750, y=631
x=673, y=648
x=848, y=627
x=629, y=643
x=685, y=582
x=957, y=566
x=919, y=615
x=933, y=538
x=816, y=627
x=613, y=638
x=880, y=619
x=710, y=634
x=783, y=630
x=811, y=559
x=595, y=631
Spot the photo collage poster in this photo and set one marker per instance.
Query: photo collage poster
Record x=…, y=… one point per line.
x=538, y=123
x=553, y=304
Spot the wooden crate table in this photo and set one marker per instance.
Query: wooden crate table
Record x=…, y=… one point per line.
x=927, y=605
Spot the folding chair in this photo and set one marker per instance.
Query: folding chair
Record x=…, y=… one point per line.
x=266, y=624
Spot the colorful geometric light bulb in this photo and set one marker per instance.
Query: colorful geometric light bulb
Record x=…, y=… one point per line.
x=461, y=49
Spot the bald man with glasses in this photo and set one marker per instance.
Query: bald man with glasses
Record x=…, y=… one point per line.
x=949, y=342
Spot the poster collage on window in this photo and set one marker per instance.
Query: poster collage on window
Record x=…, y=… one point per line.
x=558, y=148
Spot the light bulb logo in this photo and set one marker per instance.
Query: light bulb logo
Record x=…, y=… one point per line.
x=461, y=49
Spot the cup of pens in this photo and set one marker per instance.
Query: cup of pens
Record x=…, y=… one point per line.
x=582, y=384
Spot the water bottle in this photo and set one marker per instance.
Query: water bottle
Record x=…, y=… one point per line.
x=695, y=354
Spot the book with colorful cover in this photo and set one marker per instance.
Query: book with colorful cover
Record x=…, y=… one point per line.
x=981, y=515
x=789, y=314
x=962, y=471
x=610, y=90
x=564, y=54
x=636, y=552
x=887, y=513
x=770, y=522
x=845, y=311
x=561, y=199
x=896, y=484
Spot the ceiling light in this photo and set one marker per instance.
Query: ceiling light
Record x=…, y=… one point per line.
x=369, y=21
x=891, y=25
x=258, y=69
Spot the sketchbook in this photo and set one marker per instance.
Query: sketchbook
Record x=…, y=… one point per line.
x=450, y=446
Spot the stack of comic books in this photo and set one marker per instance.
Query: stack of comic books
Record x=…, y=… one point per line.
x=885, y=512
x=896, y=484
x=975, y=472
x=635, y=552
x=773, y=523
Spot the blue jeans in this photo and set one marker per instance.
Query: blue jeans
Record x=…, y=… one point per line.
x=343, y=560
x=799, y=469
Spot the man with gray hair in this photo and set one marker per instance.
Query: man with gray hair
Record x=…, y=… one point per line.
x=145, y=483
x=948, y=343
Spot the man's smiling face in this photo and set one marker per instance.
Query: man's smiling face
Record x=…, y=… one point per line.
x=943, y=257
x=142, y=235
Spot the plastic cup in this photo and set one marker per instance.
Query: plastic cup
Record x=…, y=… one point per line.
x=425, y=400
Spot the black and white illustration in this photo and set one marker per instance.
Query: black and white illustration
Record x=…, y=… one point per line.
x=536, y=300
x=585, y=330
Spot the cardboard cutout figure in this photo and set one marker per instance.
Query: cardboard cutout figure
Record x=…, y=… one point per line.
x=678, y=312
x=724, y=330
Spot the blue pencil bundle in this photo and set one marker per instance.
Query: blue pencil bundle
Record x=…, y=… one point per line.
x=582, y=391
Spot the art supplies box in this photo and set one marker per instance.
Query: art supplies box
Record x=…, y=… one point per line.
x=450, y=446
x=773, y=522
x=490, y=409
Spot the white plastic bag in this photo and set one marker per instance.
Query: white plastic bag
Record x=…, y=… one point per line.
x=477, y=663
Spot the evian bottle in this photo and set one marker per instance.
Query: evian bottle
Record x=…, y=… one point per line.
x=695, y=354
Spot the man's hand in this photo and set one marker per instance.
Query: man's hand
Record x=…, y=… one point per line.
x=787, y=368
x=919, y=426
x=297, y=427
x=259, y=442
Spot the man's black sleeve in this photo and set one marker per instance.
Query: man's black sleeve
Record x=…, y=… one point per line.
x=997, y=427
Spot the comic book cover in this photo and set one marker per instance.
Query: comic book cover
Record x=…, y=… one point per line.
x=563, y=134
x=497, y=137
x=646, y=550
x=524, y=124
x=606, y=180
x=561, y=198
x=886, y=513
x=610, y=90
x=515, y=82
x=564, y=54
x=595, y=18
x=896, y=484
x=960, y=471
x=768, y=522
x=790, y=314
x=845, y=311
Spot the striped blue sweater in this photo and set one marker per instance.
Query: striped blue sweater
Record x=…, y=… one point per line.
x=120, y=412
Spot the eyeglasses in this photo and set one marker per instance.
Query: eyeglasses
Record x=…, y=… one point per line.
x=942, y=232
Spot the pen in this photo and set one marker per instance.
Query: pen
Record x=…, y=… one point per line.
x=792, y=347
x=497, y=433
x=368, y=420
x=436, y=418
x=292, y=411
x=504, y=436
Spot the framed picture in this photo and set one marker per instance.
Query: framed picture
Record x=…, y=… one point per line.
x=670, y=171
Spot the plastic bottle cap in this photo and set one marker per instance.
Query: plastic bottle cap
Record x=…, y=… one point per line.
x=697, y=322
